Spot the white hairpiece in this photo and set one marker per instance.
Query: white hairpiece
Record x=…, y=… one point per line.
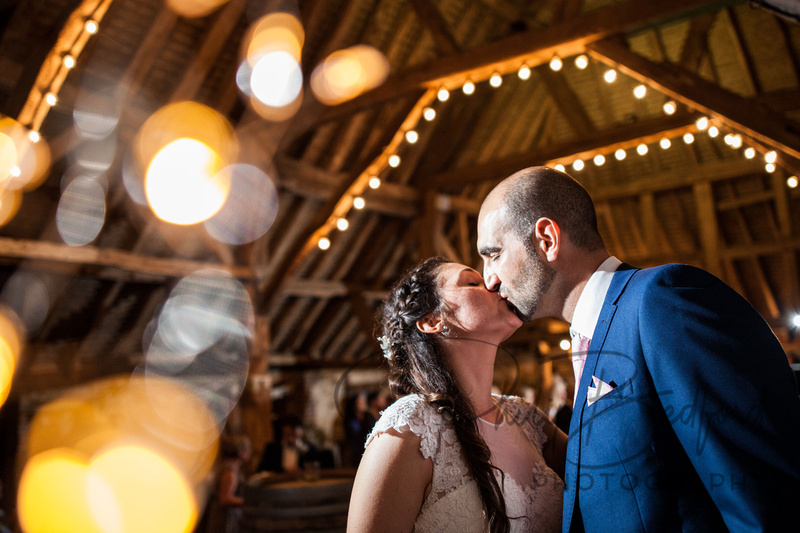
x=386, y=346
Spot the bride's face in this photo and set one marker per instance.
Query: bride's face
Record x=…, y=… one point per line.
x=471, y=309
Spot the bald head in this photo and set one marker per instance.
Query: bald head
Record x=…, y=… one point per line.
x=536, y=192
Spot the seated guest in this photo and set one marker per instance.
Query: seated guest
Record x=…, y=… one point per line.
x=290, y=452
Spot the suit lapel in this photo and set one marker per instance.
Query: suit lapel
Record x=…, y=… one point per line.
x=618, y=283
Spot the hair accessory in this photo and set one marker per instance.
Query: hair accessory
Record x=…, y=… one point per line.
x=386, y=346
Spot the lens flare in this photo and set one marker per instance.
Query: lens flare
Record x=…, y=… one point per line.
x=345, y=74
x=194, y=8
x=23, y=162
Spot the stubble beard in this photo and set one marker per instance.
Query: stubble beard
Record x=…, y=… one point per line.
x=534, y=282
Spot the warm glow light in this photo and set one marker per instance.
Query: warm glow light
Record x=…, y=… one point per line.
x=275, y=32
x=524, y=72
x=342, y=224
x=713, y=131
x=770, y=167
x=610, y=75
x=556, y=64
x=394, y=161
x=771, y=156
x=665, y=143
x=496, y=80
x=51, y=99
x=468, y=87
x=443, y=94
x=184, y=183
x=581, y=61
x=14, y=171
x=34, y=136
x=24, y=163
x=10, y=341
x=276, y=79
x=702, y=123
x=577, y=165
x=564, y=344
x=791, y=182
x=149, y=492
x=599, y=159
x=560, y=167
x=750, y=152
x=640, y=91
x=374, y=182
x=670, y=107
x=324, y=243
x=429, y=113
x=69, y=61
x=688, y=138
x=358, y=202
x=91, y=27
x=641, y=149
x=796, y=320
x=620, y=154
x=194, y=8
x=736, y=142
x=412, y=136
x=347, y=73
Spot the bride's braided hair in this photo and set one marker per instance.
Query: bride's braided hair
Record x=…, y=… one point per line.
x=417, y=367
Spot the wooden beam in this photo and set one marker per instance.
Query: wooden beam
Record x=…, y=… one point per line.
x=533, y=47
x=568, y=103
x=158, y=267
x=738, y=113
x=430, y=17
x=709, y=228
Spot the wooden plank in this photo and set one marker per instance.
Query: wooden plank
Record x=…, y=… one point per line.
x=566, y=100
x=647, y=210
x=430, y=17
x=738, y=113
x=709, y=229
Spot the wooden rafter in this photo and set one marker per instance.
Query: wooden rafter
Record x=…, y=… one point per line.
x=432, y=18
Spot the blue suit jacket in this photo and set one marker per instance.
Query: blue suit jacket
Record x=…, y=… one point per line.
x=702, y=429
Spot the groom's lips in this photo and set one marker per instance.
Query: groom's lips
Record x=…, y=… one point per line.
x=513, y=308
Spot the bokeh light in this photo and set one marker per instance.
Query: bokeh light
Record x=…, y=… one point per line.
x=250, y=208
x=81, y=212
x=23, y=162
x=274, y=32
x=10, y=201
x=276, y=79
x=347, y=73
x=194, y=8
x=26, y=295
x=10, y=347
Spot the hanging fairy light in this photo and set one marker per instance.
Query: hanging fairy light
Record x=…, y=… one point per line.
x=641, y=149
x=670, y=107
x=750, y=152
x=443, y=94
x=342, y=224
x=771, y=156
x=620, y=154
x=560, y=167
x=412, y=136
x=496, y=80
x=791, y=182
x=713, y=131
x=91, y=26
x=374, y=182
x=468, y=87
x=324, y=243
x=68, y=61
x=524, y=72
x=429, y=113
x=577, y=165
x=34, y=136
x=51, y=99
x=702, y=123
x=640, y=91
x=665, y=143
x=394, y=161
x=770, y=167
x=581, y=61
x=358, y=202
x=556, y=64
x=688, y=138
x=599, y=160
x=610, y=75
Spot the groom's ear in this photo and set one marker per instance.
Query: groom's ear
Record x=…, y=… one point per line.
x=547, y=238
x=430, y=323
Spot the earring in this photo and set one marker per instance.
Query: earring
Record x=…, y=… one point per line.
x=445, y=330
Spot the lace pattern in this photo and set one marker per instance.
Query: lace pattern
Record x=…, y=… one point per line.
x=454, y=503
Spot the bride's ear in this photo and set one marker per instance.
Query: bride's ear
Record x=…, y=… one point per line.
x=430, y=323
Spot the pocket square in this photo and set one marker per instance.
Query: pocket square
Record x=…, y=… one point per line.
x=598, y=389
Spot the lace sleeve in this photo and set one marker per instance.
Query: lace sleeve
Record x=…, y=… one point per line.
x=415, y=414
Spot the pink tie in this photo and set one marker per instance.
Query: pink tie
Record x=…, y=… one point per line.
x=580, y=347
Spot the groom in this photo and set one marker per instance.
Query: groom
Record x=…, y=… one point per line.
x=686, y=416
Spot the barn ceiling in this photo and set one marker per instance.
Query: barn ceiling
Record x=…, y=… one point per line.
x=98, y=280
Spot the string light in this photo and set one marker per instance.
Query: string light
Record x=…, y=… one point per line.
x=324, y=243
x=51, y=99
x=560, y=167
x=796, y=321
x=429, y=113
x=737, y=141
x=564, y=344
x=358, y=202
x=688, y=138
x=342, y=224
x=750, y=153
x=468, y=87
x=34, y=136
x=394, y=161
x=91, y=27
x=641, y=149
x=620, y=154
x=15, y=171
x=771, y=156
x=68, y=61
x=640, y=91
x=792, y=183
x=670, y=107
x=702, y=123
x=556, y=64
x=374, y=182
x=599, y=159
x=713, y=131
x=610, y=75
x=496, y=80
x=524, y=72
x=577, y=165
x=665, y=143
x=770, y=167
x=581, y=61
x=443, y=94
x=412, y=136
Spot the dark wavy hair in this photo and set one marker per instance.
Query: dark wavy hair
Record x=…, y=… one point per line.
x=417, y=366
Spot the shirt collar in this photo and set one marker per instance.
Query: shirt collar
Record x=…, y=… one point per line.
x=590, y=302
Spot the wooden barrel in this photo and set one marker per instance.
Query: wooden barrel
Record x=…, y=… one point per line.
x=289, y=503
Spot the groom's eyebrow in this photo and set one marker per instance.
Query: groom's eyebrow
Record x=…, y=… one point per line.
x=489, y=250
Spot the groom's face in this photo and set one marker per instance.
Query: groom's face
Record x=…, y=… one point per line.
x=511, y=266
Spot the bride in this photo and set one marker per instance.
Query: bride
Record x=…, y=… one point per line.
x=449, y=455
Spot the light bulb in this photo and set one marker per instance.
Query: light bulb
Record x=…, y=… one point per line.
x=641, y=149
x=750, y=152
x=374, y=182
x=610, y=75
x=771, y=156
x=468, y=87
x=670, y=108
x=556, y=64
x=620, y=154
x=342, y=224
x=791, y=182
x=359, y=202
x=581, y=61
x=665, y=143
x=324, y=243
x=496, y=80
x=394, y=161
x=688, y=138
x=640, y=91
x=443, y=94
x=702, y=123
x=429, y=113
x=412, y=136
x=524, y=72
x=599, y=159
x=577, y=165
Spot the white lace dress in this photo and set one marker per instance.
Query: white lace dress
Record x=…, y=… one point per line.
x=533, y=492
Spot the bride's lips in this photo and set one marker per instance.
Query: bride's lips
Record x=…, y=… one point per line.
x=511, y=307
